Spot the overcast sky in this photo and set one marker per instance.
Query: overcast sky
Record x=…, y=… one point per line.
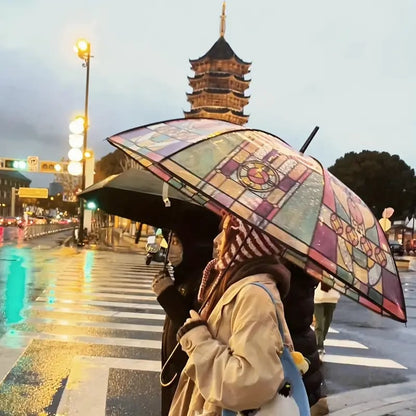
x=347, y=66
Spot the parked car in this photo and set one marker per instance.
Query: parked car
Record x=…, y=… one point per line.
x=396, y=248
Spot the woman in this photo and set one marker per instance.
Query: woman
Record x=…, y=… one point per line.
x=188, y=254
x=234, y=345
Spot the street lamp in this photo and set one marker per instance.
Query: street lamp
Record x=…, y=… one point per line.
x=83, y=50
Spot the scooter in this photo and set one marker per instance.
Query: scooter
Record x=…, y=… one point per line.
x=155, y=249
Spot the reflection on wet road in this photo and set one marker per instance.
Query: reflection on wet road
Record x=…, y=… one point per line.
x=91, y=337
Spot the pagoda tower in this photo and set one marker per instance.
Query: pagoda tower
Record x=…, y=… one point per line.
x=219, y=83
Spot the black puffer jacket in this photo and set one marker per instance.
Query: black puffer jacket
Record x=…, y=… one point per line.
x=298, y=306
x=177, y=300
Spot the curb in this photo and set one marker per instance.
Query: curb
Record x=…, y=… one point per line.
x=379, y=400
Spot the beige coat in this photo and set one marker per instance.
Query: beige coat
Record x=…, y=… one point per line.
x=234, y=363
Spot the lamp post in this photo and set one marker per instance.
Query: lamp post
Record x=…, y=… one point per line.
x=83, y=50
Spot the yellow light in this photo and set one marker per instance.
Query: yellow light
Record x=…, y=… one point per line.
x=77, y=125
x=87, y=154
x=82, y=48
x=58, y=168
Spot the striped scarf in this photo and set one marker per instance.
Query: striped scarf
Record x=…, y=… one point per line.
x=242, y=242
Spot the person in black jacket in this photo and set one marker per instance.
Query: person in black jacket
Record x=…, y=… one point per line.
x=299, y=307
x=177, y=297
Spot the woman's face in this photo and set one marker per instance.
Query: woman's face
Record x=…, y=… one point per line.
x=175, y=251
x=219, y=241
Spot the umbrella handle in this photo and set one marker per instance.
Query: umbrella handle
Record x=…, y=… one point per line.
x=165, y=263
x=167, y=384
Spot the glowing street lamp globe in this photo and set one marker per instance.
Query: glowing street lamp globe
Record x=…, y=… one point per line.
x=75, y=155
x=76, y=140
x=77, y=126
x=75, y=168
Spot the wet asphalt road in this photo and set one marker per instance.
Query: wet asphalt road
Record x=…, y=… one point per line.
x=384, y=339
x=87, y=330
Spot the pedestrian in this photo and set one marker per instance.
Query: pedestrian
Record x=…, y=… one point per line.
x=299, y=309
x=234, y=343
x=325, y=302
x=189, y=253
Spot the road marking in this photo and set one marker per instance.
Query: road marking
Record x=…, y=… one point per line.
x=115, y=314
x=362, y=361
x=92, y=280
x=344, y=343
x=87, y=294
x=94, y=324
x=67, y=289
x=330, y=330
x=101, y=303
x=121, y=342
x=86, y=390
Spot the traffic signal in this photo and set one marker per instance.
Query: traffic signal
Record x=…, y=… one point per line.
x=91, y=205
x=49, y=166
x=16, y=164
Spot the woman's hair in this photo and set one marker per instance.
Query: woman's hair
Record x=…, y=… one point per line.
x=242, y=244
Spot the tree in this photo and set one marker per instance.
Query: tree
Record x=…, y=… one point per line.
x=380, y=180
x=112, y=164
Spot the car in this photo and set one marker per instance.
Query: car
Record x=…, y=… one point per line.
x=396, y=248
x=10, y=222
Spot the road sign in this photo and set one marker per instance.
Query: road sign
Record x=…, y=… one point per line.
x=33, y=163
x=33, y=192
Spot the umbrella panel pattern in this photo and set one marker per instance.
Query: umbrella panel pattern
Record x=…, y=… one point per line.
x=326, y=228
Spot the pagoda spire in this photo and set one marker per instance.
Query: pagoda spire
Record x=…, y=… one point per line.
x=222, y=24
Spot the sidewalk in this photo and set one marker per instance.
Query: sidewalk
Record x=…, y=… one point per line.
x=388, y=400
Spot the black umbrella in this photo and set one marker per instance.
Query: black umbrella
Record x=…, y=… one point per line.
x=139, y=195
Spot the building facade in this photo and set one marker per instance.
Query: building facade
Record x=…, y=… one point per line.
x=219, y=83
x=10, y=179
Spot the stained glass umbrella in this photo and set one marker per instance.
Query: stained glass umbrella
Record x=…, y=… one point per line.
x=325, y=227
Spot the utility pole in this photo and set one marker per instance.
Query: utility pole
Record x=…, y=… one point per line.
x=13, y=202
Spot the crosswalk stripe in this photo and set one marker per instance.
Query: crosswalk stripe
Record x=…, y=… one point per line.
x=86, y=339
x=102, y=303
x=86, y=389
x=344, y=343
x=137, y=280
x=96, y=324
x=114, y=314
x=59, y=295
x=362, y=361
x=117, y=288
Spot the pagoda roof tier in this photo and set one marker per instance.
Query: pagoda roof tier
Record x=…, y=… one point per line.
x=217, y=91
x=214, y=101
x=220, y=75
x=218, y=110
x=218, y=114
x=208, y=81
x=221, y=50
x=231, y=67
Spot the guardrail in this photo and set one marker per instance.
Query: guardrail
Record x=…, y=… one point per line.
x=39, y=230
